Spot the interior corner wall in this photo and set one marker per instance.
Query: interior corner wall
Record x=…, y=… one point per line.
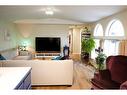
x=28, y=32
x=7, y=45
x=122, y=16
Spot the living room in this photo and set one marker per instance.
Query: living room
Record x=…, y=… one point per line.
x=20, y=27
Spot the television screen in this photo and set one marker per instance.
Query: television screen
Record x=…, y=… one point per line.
x=47, y=44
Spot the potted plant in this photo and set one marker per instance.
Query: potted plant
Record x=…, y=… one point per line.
x=100, y=60
x=87, y=46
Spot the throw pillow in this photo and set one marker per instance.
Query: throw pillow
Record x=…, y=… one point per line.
x=57, y=58
x=2, y=58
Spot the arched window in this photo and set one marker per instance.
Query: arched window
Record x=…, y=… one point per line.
x=114, y=31
x=115, y=28
x=98, y=32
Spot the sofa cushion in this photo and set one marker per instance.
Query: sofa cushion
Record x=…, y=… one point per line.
x=105, y=84
x=104, y=74
x=2, y=58
x=22, y=58
x=118, y=68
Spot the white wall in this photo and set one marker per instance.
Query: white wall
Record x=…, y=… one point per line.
x=7, y=46
x=28, y=32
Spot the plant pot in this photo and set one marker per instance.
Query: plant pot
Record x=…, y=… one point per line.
x=86, y=56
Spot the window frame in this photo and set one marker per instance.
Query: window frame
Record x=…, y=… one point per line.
x=110, y=37
x=95, y=31
x=108, y=29
x=97, y=37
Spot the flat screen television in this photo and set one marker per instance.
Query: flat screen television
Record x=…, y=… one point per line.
x=47, y=44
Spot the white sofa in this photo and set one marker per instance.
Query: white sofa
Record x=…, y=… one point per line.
x=22, y=58
x=46, y=72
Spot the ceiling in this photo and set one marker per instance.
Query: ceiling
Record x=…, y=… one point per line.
x=79, y=14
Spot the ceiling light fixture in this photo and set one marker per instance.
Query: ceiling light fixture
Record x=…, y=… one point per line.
x=49, y=11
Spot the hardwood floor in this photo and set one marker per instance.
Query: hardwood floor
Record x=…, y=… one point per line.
x=82, y=76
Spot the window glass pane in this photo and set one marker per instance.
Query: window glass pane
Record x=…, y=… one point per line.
x=111, y=47
x=93, y=53
x=115, y=28
x=98, y=31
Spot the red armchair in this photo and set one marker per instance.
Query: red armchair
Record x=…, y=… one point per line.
x=114, y=77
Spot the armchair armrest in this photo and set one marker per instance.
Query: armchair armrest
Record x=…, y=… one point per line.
x=103, y=74
x=123, y=85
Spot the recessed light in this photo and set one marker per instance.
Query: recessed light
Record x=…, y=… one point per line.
x=49, y=11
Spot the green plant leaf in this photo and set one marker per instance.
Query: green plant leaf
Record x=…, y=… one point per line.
x=88, y=45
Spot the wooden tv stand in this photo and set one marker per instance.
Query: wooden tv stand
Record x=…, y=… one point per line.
x=44, y=56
